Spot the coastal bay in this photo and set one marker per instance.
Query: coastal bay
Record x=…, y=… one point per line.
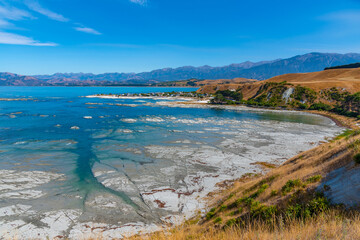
x=76, y=166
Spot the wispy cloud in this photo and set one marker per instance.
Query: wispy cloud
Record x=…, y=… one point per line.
x=15, y=39
x=4, y=23
x=342, y=23
x=36, y=7
x=9, y=13
x=350, y=17
x=12, y=11
x=140, y=2
x=87, y=30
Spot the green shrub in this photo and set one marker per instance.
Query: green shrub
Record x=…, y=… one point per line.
x=210, y=215
x=266, y=213
x=248, y=201
x=223, y=207
x=238, y=211
x=290, y=185
x=254, y=205
x=231, y=195
x=320, y=106
x=218, y=220
x=355, y=144
x=294, y=211
x=304, y=94
x=227, y=97
x=316, y=205
x=274, y=193
x=237, y=203
x=314, y=179
x=230, y=222
x=357, y=158
x=231, y=213
x=347, y=133
x=302, y=106
x=262, y=189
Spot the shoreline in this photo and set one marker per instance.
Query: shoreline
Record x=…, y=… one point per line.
x=202, y=201
x=222, y=185
x=224, y=188
x=324, y=162
x=339, y=120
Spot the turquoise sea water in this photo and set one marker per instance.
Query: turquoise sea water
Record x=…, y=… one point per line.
x=29, y=128
x=125, y=148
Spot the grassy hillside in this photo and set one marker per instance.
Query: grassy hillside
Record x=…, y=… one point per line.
x=331, y=90
x=340, y=78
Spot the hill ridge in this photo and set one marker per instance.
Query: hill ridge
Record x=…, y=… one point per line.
x=262, y=70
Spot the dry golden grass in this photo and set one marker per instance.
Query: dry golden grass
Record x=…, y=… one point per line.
x=340, y=78
x=318, y=161
x=326, y=226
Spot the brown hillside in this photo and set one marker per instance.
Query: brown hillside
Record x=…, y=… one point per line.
x=340, y=78
x=345, y=78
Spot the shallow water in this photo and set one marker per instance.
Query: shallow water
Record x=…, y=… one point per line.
x=71, y=164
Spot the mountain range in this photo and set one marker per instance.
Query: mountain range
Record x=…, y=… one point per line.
x=310, y=62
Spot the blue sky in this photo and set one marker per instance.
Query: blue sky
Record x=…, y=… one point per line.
x=48, y=36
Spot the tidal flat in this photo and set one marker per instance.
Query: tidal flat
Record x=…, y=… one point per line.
x=76, y=167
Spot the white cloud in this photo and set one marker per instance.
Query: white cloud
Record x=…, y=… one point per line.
x=87, y=30
x=140, y=2
x=4, y=23
x=12, y=13
x=15, y=39
x=36, y=7
x=350, y=17
x=342, y=24
x=9, y=13
x=16, y=10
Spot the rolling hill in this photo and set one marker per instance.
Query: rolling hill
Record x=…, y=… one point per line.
x=348, y=79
